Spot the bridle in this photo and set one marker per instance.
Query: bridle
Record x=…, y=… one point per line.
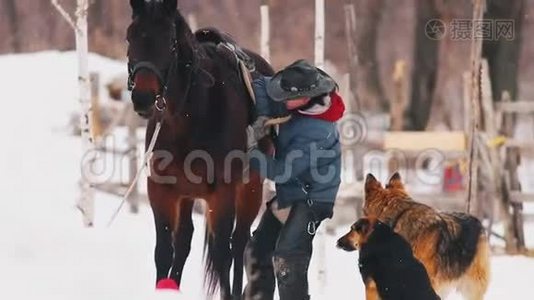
x=191, y=66
x=160, y=102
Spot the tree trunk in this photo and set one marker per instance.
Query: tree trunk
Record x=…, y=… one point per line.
x=370, y=91
x=86, y=200
x=352, y=54
x=424, y=73
x=503, y=54
x=12, y=16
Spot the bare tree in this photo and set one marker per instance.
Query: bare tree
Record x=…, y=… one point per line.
x=370, y=92
x=79, y=25
x=503, y=53
x=350, y=35
x=424, y=74
x=12, y=16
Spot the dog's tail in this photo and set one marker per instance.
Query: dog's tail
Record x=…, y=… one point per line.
x=458, y=242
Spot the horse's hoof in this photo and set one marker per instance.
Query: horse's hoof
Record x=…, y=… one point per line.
x=167, y=284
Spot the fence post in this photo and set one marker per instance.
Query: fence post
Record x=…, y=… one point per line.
x=319, y=33
x=265, y=31
x=476, y=57
x=320, y=63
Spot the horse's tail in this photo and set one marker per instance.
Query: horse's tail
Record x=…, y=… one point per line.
x=217, y=253
x=211, y=278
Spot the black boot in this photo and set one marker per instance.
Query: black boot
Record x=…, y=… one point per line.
x=294, y=250
x=292, y=276
x=258, y=258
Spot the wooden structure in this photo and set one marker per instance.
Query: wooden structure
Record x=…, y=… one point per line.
x=125, y=118
x=451, y=141
x=512, y=196
x=400, y=100
x=498, y=158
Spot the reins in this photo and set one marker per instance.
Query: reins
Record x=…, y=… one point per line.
x=160, y=104
x=161, y=107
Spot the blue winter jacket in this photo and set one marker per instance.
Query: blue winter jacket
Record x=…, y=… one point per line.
x=307, y=162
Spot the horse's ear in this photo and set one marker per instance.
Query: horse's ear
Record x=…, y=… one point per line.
x=137, y=6
x=170, y=5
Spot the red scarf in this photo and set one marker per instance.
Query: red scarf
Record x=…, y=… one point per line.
x=334, y=112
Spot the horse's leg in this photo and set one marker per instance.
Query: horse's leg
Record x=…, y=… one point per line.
x=248, y=202
x=182, y=238
x=164, y=209
x=220, y=216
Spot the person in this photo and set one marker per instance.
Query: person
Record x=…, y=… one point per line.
x=306, y=170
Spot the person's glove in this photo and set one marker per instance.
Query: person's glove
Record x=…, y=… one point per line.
x=256, y=132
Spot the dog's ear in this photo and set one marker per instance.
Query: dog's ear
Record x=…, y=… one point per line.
x=395, y=182
x=371, y=185
x=362, y=226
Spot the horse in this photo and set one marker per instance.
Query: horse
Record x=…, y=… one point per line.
x=193, y=90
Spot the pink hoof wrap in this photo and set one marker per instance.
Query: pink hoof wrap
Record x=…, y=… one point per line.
x=167, y=284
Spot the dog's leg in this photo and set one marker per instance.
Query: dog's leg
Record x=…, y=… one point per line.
x=371, y=292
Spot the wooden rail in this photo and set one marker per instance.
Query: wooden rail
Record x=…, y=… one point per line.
x=521, y=107
x=519, y=197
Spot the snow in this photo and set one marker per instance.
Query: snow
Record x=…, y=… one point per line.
x=46, y=253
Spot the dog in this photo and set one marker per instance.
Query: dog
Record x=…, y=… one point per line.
x=387, y=264
x=453, y=247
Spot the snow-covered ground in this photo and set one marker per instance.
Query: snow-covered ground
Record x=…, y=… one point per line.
x=45, y=253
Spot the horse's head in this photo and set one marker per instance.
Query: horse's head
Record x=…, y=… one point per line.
x=152, y=52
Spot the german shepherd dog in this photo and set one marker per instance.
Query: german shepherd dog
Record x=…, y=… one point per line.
x=387, y=261
x=453, y=247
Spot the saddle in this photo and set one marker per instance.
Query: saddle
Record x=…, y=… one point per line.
x=244, y=63
x=223, y=39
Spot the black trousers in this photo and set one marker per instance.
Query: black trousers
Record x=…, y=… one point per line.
x=281, y=252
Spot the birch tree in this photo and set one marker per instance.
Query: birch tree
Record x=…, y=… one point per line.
x=85, y=201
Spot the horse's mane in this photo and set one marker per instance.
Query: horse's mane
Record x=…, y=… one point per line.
x=186, y=38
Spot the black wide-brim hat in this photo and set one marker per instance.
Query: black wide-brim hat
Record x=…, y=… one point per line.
x=298, y=80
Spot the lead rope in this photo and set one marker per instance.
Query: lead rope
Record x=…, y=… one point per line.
x=161, y=108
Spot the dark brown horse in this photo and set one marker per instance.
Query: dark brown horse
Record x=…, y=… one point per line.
x=204, y=109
